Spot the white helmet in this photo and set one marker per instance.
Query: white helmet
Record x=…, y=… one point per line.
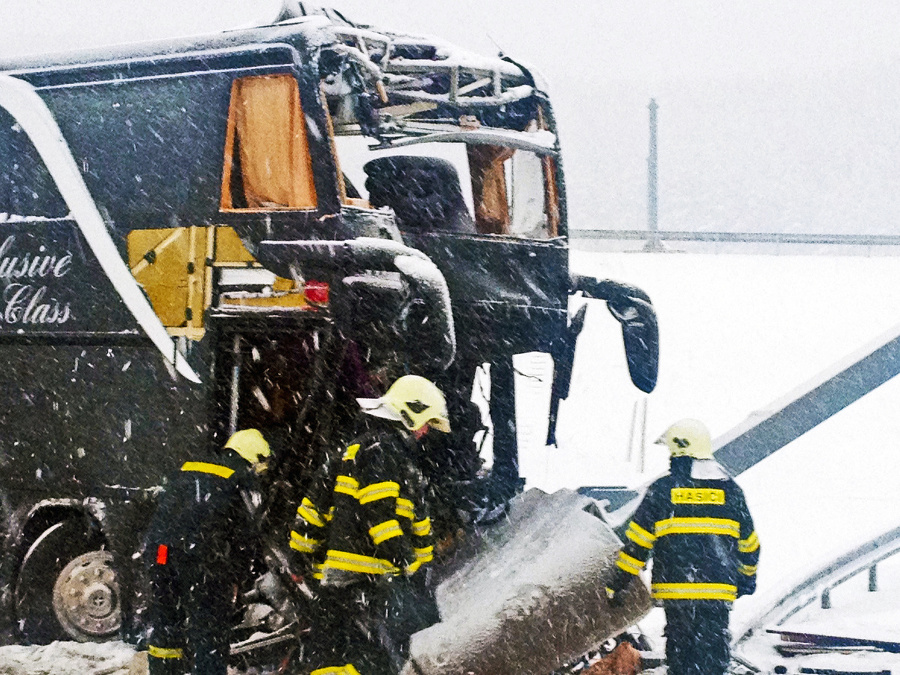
x=412, y=400
x=687, y=438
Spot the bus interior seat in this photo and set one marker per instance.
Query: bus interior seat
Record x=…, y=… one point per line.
x=424, y=193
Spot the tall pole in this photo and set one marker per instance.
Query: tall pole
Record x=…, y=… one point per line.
x=653, y=243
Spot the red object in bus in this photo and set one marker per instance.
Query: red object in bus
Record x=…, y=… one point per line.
x=317, y=292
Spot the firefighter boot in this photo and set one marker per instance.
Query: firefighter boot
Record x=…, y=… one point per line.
x=163, y=661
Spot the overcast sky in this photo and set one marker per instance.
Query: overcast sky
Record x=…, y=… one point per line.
x=735, y=81
x=646, y=41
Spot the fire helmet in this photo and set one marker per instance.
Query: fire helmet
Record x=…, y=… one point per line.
x=412, y=400
x=687, y=438
x=251, y=445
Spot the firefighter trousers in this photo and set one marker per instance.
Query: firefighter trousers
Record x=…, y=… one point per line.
x=189, y=617
x=349, y=635
x=698, y=641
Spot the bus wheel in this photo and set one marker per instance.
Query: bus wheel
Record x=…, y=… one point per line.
x=67, y=588
x=86, y=598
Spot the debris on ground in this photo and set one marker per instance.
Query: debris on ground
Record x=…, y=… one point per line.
x=623, y=660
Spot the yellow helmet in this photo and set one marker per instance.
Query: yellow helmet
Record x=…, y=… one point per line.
x=251, y=445
x=412, y=400
x=687, y=438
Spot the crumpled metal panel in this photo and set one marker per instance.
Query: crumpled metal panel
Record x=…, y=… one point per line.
x=527, y=596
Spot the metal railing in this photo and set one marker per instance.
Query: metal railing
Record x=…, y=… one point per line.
x=739, y=237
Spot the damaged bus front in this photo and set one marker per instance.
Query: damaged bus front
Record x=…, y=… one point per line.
x=250, y=230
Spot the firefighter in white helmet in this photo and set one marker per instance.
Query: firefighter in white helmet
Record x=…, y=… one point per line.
x=696, y=525
x=364, y=533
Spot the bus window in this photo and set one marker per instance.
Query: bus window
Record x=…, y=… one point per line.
x=427, y=185
x=489, y=181
x=508, y=190
x=527, y=198
x=455, y=187
x=267, y=164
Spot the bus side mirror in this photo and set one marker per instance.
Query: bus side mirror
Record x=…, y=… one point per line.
x=640, y=332
x=632, y=308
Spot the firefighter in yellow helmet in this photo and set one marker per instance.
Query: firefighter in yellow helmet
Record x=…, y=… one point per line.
x=696, y=525
x=363, y=533
x=200, y=540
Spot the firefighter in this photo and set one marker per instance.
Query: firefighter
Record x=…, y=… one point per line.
x=363, y=534
x=696, y=525
x=200, y=538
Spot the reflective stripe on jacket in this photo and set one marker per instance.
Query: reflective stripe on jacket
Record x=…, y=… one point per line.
x=366, y=514
x=700, y=534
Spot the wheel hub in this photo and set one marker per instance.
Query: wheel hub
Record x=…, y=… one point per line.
x=86, y=597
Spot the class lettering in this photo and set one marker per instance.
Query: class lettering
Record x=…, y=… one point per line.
x=27, y=304
x=27, y=299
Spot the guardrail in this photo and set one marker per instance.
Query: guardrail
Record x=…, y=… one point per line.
x=738, y=237
x=765, y=243
x=818, y=585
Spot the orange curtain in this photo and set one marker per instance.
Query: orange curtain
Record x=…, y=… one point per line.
x=266, y=121
x=489, y=187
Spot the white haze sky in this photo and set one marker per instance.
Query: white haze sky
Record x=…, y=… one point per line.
x=775, y=115
x=645, y=42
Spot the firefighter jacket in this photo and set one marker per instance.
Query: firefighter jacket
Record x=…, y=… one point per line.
x=696, y=525
x=201, y=514
x=366, y=516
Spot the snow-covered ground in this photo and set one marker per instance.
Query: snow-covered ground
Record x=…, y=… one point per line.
x=67, y=658
x=737, y=332
x=854, y=613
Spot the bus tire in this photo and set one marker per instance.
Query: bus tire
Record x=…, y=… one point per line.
x=67, y=588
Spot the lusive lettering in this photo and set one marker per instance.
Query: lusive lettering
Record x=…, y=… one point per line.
x=27, y=301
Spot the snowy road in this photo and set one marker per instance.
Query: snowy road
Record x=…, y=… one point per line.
x=68, y=658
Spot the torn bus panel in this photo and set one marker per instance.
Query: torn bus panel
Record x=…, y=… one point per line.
x=527, y=595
